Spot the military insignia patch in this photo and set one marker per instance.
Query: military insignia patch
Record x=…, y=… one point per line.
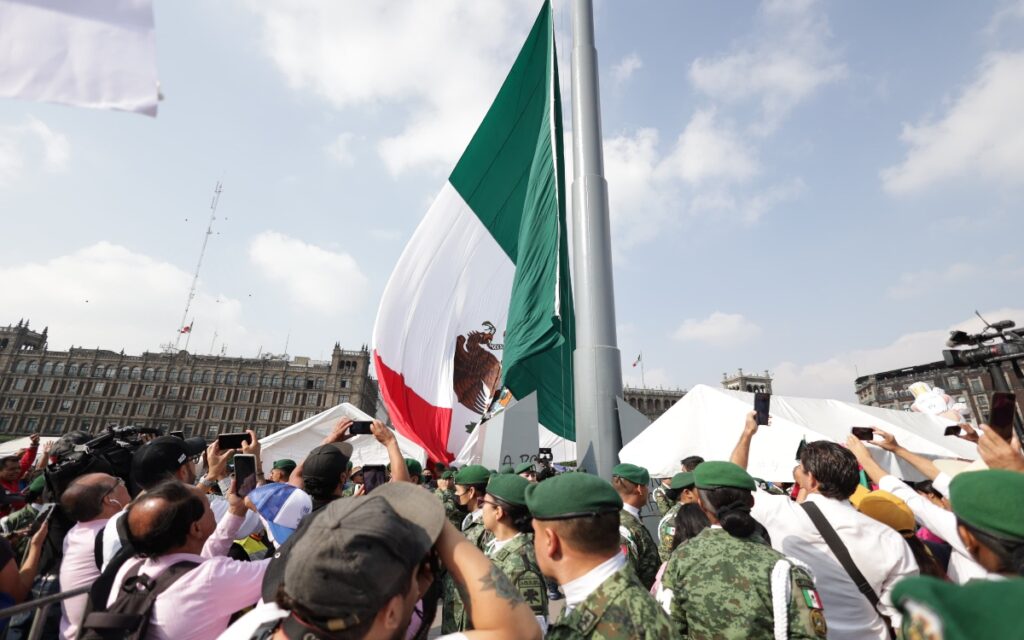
x=921, y=623
x=818, y=622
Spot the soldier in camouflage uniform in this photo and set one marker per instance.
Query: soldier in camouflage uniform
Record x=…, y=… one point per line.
x=446, y=493
x=511, y=549
x=726, y=583
x=681, y=488
x=576, y=538
x=470, y=489
x=662, y=496
x=630, y=481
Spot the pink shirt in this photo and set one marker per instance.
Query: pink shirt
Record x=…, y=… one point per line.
x=200, y=604
x=77, y=569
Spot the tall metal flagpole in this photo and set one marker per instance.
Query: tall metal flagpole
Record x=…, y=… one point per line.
x=597, y=363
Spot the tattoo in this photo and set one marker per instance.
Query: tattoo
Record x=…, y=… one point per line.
x=497, y=580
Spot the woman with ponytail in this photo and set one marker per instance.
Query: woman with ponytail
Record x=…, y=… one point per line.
x=726, y=582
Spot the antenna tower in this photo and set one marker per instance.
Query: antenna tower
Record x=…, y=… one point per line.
x=199, y=265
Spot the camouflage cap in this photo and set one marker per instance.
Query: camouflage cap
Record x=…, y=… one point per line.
x=682, y=480
x=523, y=467
x=473, y=474
x=509, y=487
x=991, y=500
x=571, y=495
x=718, y=473
x=933, y=608
x=631, y=472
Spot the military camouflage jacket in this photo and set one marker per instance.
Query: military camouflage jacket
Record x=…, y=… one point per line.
x=667, y=532
x=661, y=500
x=719, y=586
x=453, y=612
x=451, y=507
x=640, y=547
x=620, y=609
x=517, y=561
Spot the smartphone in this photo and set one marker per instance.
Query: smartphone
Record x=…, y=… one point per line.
x=762, y=402
x=177, y=434
x=1000, y=417
x=952, y=430
x=863, y=433
x=43, y=516
x=228, y=441
x=245, y=474
x=544, y=453
x=360, y=428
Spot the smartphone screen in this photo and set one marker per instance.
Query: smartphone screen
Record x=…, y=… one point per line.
x=360, y=428
x=228, y=441
x=953, y=430
x=762, y=402
x=1000, y=416
x=863, y=433
x=245, y=474
x=544, y=453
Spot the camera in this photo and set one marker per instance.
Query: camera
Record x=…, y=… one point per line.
x=110, y=452
x=980, y=353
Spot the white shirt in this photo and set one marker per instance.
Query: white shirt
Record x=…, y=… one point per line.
x=576, y=591
x=878, y=550
x=77, y=569
x=247, y=625
x=218, y=504
x=632, y=510
x=942, y=523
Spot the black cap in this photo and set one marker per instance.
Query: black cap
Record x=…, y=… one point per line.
x=162, y=457
x=322, y=468
x=365, y=550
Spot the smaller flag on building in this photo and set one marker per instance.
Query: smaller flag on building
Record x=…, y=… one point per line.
x=188, y=328
x=638, y=359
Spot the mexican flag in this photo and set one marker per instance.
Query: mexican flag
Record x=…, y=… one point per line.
x=481, y=298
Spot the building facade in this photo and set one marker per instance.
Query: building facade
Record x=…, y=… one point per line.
x=749, y=382
x=52, y=392
x=969, y=385
x=652, y=402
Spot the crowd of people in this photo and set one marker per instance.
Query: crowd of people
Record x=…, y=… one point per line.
x=322, y=549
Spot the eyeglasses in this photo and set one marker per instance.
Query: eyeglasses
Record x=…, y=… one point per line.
x=119, y=483
x=493, y=504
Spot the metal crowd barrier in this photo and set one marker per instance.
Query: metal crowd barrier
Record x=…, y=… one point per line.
x=41, y=606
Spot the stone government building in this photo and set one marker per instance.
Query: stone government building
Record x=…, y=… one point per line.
x=53, y=392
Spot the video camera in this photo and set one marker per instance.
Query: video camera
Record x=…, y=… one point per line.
x=110, y=452
x=1011, y=346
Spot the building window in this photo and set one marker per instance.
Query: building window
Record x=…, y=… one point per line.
x=99, y=387
x=11, y=404
x=33, y=367
x=197, y=393
x=161, y=375
x=244, y=395
x=207, y=376
x=300, y=383
x=276, y=382
x=92, y=407
x=19, y=384
x=124, y=373
x=118, y=409
x=72, y=370
x=265, y=381
x=230, y=379
x=20, y=367
x=261, y=432
x=111, y=373
x=222, y=393
x=136, y=373
x=343, y=383
x=32, y=424
x=173, y=392
x=73, y=386
x=193, y=411
x=150, y=373
x=46, y=385
x=216, y=412
x=66, y=405
x=286, y=415
x=172, y=376
x=38, y=405
x=5, y=424
x=212, y=431
x=48, y=369
x=264, y=415
x=976, y=385
x=197, y=376
x=142, y=409
x=289, y=397
x=309, y=383
x=58, y=424
x=219, y=377
x=242, y=414
x=122, y=388
x=149, y=390
x=343, y=398
x=266, y=397
x=312, y=399
x=168, y=411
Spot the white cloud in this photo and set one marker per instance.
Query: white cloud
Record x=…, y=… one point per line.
x=438, y=62
x=1011, y=11
x=340, y=150
x=718, y=329
x=27, y=145
x=709, y=150
x=109, y=296
x=834, y=377
x=623, y=70
x=979, y=136
x=785, y=65
x=918, y=283
x=314, y=278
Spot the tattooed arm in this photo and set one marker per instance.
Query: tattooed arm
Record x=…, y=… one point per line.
x=495, y=607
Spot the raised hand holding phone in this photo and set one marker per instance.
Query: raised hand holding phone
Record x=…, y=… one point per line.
x=762, y=404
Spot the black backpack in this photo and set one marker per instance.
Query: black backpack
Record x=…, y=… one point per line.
x=128, y=617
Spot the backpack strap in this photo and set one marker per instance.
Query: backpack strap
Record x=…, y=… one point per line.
x=135, y=582
x=97, y=549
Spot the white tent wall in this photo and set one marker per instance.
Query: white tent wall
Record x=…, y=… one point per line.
x=471, y=453
x=296, y=441
x=12, y=447
x=708, y=422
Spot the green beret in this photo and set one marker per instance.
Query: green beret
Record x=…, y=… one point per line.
x=978, y=609
x=448, y=475
x=348, y=466
x=717, y=473
x=507, y=468
x=523, y=467
x=682, y=480
x=571, y=495
x=414, y=467
x=37, y=485
x=284, y=464
x=991, y=501
x=473, y=474
x=631, y=472
x=509, y=487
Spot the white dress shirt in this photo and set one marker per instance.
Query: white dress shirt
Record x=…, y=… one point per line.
x=77, y=569
x=632, y=510
x=942, y=523
x=576, y=591
x=878, y=550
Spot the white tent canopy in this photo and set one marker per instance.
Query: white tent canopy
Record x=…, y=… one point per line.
x=296, y=441
x=12, y=447
x=472, y=452
x=708, y=422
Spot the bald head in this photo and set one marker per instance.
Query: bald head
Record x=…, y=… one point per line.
x=163, y=519
x=83, y=501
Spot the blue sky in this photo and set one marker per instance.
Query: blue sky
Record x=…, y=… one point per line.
x=818, y=189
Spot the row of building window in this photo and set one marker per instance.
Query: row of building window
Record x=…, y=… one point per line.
x=166, y=392
x=174, y=375
x=952, y=383
x=53, y=426
x=143, y=408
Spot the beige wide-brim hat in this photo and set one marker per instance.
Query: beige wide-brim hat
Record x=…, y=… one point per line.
x=953, y=466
